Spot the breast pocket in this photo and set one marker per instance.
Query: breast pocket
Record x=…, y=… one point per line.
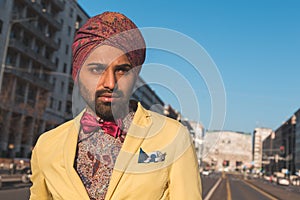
x=144, y=186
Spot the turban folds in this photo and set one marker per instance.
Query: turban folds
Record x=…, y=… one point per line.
x=109, y=28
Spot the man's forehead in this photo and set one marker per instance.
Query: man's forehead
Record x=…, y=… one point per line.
x=107, y=55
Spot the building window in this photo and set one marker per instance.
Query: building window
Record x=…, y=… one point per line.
x=51, y=103
x=1, y=23
x=78, y=22
x=27, y=40
x=77, y=25
x=238, y=163
x=15, y=33
x=38, y=47
x=36, y=70
x=41, y=26
x=32, y=91
x=69, y=107
x=70, y=88
x=56, y=62
x=44, y=75
x=226, y=163
x=69, y=30
x=21, y=87
x=53, y=81
x=20, y=92
x=24, y=64
x=62, y=85
x=65, y=68
x=44, y=6
x=67, y=49
x=59, y=105
x=71, y=12
x=11, y=59
x=48, y=53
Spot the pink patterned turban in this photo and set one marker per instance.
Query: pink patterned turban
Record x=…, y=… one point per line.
x=109, y=28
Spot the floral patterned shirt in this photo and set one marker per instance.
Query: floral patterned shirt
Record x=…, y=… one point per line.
x=95, y=159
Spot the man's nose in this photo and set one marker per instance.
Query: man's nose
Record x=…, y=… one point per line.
x=107, y=79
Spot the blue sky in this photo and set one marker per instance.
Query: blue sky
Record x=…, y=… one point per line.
x=255, y=45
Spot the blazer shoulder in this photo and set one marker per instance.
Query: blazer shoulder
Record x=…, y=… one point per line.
x=55, y=133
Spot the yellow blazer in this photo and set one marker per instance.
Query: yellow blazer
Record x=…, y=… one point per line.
x=175, y=177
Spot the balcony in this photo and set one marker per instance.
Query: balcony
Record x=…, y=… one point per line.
x=31, y=78
x=47, y=16
x=60, y=4
x=19, y=46
x=32, y=29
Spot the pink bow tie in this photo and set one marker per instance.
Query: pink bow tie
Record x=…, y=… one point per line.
x=90, y=124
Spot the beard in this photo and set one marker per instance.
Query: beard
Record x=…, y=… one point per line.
x=108, y=111
x=111, y=111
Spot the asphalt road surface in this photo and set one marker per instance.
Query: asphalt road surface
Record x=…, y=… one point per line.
x=237, y=186
x=214, y=186
x=16, y=193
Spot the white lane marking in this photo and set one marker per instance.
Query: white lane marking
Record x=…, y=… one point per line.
x=210, y=193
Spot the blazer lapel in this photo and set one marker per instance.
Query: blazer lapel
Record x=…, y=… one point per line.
x=136, y=134
x=69, y=158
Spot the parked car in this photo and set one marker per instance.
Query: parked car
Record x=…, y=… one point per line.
x=295, y=180
x=26, y=174
x=274, y=178
x=205, y=172
x=283, y=181
x=268, y=177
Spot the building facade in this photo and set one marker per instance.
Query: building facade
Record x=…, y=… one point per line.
x=35, y=53
x=227, y=150
x=259, y=135
x=297, y=142
x=148, y=98
x=279, y=149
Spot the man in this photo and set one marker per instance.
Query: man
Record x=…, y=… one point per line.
x=114, y=149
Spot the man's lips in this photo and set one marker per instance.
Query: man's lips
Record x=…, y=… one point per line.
x=108, y=97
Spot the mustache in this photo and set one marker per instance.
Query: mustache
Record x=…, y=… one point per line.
x=114, y=93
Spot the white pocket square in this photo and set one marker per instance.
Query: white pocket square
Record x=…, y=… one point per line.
x=155, y=156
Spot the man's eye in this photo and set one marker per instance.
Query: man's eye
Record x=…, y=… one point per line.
x=97, y=70
x=123, y=70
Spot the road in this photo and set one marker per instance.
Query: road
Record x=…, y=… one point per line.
x=215, y=187
x=236, y=186
x=15, y=191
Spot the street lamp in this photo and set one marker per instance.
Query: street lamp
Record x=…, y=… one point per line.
x=2, y=69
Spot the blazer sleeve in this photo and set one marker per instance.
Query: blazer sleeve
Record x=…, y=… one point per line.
x=38, y=190
x=184, y=177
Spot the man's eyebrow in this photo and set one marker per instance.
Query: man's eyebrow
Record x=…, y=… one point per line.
x=125, y=65
x=97, y=64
